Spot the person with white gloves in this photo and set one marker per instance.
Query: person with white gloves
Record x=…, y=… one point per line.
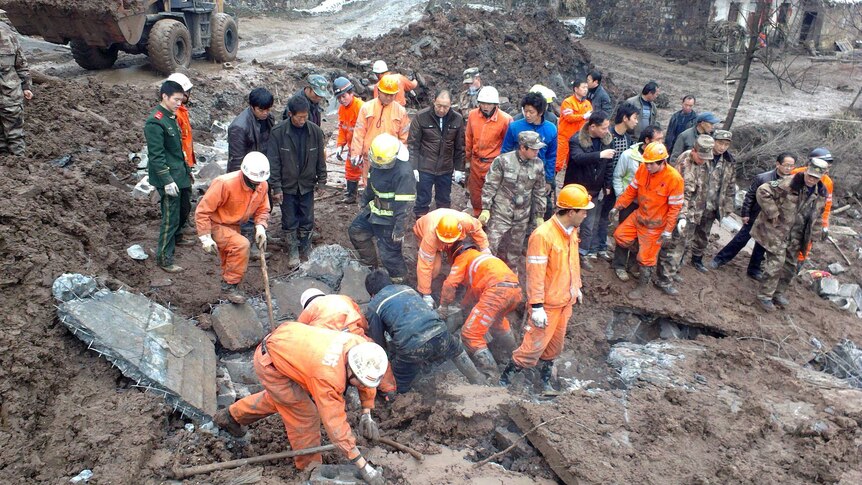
x=231, y=200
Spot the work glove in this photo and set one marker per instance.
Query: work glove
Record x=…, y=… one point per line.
x=356, y=161
x=416, y=175
x=539, y=318
x=260, y=236
x=172, y=190
x=587, y=115
x=539, y=221
x=339, y=153
x=371, y=475
x=680, y=226
x=484, y=216
x=368, y=428
x=824, y=234
x=458, y=177
x=666, y=236
x=580, y=297
x=208, y=244
x=428, y=301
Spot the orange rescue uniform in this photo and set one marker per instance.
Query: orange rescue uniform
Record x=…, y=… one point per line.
x=572, y=119
x=659, y=197
x=483, y=144
x=374, y=119
x=553, y=280
x=228, y=203
x=494, y=285
x=303, y=371
x=827, y=209
x=404, y=85
x=428, y=263
x=186, y=134
x=347, y=116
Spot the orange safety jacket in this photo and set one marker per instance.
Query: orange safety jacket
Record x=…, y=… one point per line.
x=480, y=270
x=404, y=86
x=484, y=135
x=347, y=116
x=374, y=119
x=553, y=265
x=186, y=134
x=335, y=312
x=571, y=121
x=659, y=196
x=316, y=360
x=430, y=245
x=230, y=202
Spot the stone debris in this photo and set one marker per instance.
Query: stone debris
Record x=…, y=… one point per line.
x=844, y=361
x=143, y=189
x=226, y=393
x=650, y=363
x=72, y=286
x=137, y=252
x=240, y=368
x=335, y=475
x=287, y=293
x=237, y=326
x=828, y=286
x=836, y=268
x=326, y=263
x=353, y=282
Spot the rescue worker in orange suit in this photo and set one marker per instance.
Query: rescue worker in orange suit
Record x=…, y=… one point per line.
x=231, y=200
x=183, y=117
x=486, y=128
x=490, y=282
x=574, y=112
x=658, y=190
x=348, y=112
x=380, y=115
x=339, y=313
x=405, y=84
x=436, y=231
x=304, y=371
x=825, y=155
x=553, y=286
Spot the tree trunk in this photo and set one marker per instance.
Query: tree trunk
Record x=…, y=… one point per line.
x=754, y=31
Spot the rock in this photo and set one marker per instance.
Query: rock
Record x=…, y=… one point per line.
x=852, y=290
x=219, y=130
x=326, y=263
x=225, y=393
x=205, y=154
x=335, y=475
x=71, y=286
x=353, y=282
x=82, y=477
x=739, y=199
x=503, y=438
x=137, y=252
x=472, y=32
x=843, y=361
x=237, y=326
x=836, y=268
x=240, y=368
x=828, y=286
x=142, y=189
x=669, y=330
x=210, y=171
x=200, y=119
x=650, y=363
x=287, y=294
x=160, y=282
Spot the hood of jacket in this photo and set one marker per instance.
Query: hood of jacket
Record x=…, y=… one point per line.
x=586, y=140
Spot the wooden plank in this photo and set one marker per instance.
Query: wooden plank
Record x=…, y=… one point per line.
x=557, y=461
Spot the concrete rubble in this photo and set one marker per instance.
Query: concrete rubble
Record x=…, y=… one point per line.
x=159, y=350
x=237, y=326
x=136, y=252
x=652, y=362
x=846, y=296
x=844, y=361
x=287, y=293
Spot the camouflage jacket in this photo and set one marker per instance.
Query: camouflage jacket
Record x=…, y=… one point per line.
x=515, y=188
x=705, y=188
x=14, y=71
x=784, y=205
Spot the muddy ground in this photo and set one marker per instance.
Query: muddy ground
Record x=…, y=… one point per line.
x=734, y=410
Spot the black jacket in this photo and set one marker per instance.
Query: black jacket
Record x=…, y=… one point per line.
x=399, y=311
x=314, y=110
x=435, y=151
x=244, y=136
x=585, y=166
x=292, y=172
x=601, y=101
x=750, y=207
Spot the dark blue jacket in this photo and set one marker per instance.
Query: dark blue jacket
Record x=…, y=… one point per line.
x=399, y=311
x=679, y=122
x=547, y=133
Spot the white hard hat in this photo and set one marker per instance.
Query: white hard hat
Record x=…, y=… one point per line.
x=488, y=95
x=379, y=67
x=182, y=80
x=308, y=294
x=546, y=92
x=255, y=166
x=368, y=361
x=403, y=153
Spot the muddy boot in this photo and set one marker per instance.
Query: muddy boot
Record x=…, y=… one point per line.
x=510, y=370
x=225, y=421
x=231, y=293
x=643, y=283
x=465, y=365
x=505, y=343
x=304, y=246
x=667, y=287
x=547, y=371
x=678, y=278
x=780, y=300
x=621, y=255
x=485, y=362
x=697, y=262
x=292, y=250
x=766, y=304
x=586, y=262
x=350, y=193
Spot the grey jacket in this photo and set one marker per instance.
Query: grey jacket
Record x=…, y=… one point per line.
x=244, y=136
x=639, y=103
x=291, y=172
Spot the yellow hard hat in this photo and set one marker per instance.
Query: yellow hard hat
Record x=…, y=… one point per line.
x=655, y=152
x=388, y=84
x=449, y=229
x=574, y=196
x=384, y=149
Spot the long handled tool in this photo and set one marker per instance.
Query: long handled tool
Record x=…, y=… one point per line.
x=266, y=288
x=181, y=473
x=839, y=250
x=403, y=448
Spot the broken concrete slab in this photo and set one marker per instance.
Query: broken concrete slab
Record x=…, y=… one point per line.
x=652, y=362
x=237, y=326
x=136, y=252
x=558, y=463
x=852, y=291
x=287, y=293
x=828, y=286
x=353, y=282
x=143, y=189
x=240, y=367
x=161, y=351
x=210, y=171
x=226, y=393
x=335, y=475
x=72, y=286
x=844, y=303
x=836, y=268
x=326, y=263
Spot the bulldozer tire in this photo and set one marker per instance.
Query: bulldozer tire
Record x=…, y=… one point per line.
x=93, y=58
x=169, y=46
x=224, y=42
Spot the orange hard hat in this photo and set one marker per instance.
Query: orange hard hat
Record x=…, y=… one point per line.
x=574, y=196
x=449, y=229
x=655, y=152
x=388, y=84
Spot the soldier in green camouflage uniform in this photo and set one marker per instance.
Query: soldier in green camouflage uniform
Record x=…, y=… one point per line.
x=513, y=195
x=15, y=87
x=790, y=209
x=168, y=172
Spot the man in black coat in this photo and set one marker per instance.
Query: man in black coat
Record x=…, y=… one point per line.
x=250, y=130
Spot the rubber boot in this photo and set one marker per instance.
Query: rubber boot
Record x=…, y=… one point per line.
x=363, y=242
x=510, y=370
x=350, y=193
x=621, y=256
x=505, y=343
x=643, y=283
x=292, y=250
x=697, y=262
x=304, y=246
x=485, y=362
x=465, y=365
x=779, y=300
x=546, y=371
x=225, y=421
x=231, y=293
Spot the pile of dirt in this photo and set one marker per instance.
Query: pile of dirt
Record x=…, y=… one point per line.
x=513, y=51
